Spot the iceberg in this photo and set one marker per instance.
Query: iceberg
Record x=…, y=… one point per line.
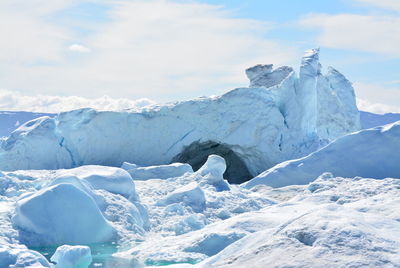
x=72, y=257
x=19, y=256
x=281, y=116
x=61, y=214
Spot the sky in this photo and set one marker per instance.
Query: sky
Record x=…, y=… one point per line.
x=64, y=54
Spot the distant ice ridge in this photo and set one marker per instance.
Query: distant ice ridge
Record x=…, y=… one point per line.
x=280, y=116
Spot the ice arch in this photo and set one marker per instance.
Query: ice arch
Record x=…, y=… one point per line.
x=196, y=155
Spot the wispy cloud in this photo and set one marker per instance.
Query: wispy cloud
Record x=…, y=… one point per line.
x=387, y=4
x=79, y=48
x=377, y=108
x=371, y=33
x=377, y=98
x=15, y=101
x=164, y=50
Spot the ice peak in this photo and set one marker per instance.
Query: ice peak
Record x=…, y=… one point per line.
x=310, y=63
x=257, y=70
x=265, y=76
x=312, y=53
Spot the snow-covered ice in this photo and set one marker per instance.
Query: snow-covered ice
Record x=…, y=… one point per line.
x=371, y=153
x=19, y=256
x=157, y=172
x=333, y=222
x=68, y=256
x=370, y=120
x=61, y=214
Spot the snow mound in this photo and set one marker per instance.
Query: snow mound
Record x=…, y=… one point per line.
x=371, y=153
x=158, y=172
x=61, y=214
x=114, y=180
x=191, y=195
x=212, y=173
x=72, y=257
x=280, y=116
x=20, y=256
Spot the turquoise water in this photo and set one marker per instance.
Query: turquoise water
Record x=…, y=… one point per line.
x=101, y=253
x=166, y=263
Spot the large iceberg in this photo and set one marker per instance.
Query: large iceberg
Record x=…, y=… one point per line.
x=280, y=116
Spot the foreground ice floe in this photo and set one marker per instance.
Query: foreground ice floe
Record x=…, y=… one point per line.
x=333, y=222
x=91, y=205
x=199, y=220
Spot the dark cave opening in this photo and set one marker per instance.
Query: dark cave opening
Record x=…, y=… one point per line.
x=196, y=155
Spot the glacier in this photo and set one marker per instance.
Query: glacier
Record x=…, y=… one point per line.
x=280, y=116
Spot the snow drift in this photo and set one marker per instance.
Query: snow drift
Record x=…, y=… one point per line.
x=280, y=116
x=371, y=153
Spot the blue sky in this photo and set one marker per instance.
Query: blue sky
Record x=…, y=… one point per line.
x=170, y=50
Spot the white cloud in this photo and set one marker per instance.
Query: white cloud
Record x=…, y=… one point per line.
x=164, y=50
x=79, y=48
x=388, y=4
x=377, y=108
x=378, y=34
x=15, y=101
x=377, y=98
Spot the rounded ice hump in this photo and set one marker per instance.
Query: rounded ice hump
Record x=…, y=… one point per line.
x=111, y=179
x=191, y=195
x=72, y=257
x=61, y=214
x=212, y=172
